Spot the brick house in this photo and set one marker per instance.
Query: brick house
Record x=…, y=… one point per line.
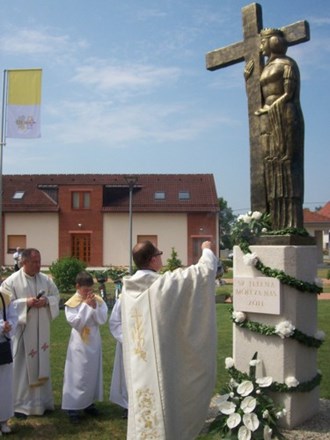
x=317, y=223
x=87, y=215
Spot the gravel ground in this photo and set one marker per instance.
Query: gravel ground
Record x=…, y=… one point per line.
x=317, y=428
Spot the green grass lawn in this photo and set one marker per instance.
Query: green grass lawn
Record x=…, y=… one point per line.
x=109, y=425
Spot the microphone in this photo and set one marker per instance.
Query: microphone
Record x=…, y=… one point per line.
x=41, y=292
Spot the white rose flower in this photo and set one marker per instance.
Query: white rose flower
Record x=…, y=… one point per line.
x=227, y=407
x=320, y=335
x=251, y=421
x=245, y=388
x=265, y=414
x=233, y=383
x=291, y=382
x=318, y=282
x=250, y=259
x=264, y=382
x=239, y=316
x=264, y=230
x=256, y=215
x=248, y=404
x=229, y=362
x=233, y=420
x=284, y=329
x=267, y=433
x=244, y=433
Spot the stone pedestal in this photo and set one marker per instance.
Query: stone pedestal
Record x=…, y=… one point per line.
x=286, y=357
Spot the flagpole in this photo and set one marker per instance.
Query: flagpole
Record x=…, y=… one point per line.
x=2, y=144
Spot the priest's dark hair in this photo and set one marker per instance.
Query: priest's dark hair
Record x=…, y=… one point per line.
x=142, y=254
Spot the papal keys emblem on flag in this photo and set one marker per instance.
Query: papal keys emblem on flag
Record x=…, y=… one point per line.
x=23, y=103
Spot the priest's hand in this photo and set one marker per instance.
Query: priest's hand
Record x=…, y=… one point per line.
x=36, y=302
x=6, y=327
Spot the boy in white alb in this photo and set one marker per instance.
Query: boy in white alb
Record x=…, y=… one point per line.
x=83, y=373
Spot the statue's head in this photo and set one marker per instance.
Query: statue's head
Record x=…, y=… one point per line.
x=276, y=39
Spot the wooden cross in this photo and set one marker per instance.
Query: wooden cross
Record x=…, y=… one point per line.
x=249, y=50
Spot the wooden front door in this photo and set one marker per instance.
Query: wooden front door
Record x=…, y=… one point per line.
x=81, y=247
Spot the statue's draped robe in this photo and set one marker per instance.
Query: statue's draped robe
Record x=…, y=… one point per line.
x=169, y=344
x=282, y=136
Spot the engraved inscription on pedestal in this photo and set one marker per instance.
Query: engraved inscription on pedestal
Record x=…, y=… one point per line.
x=257, y=295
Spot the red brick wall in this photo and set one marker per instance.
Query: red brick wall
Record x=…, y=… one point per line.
x=203, y=225
x=91, y=221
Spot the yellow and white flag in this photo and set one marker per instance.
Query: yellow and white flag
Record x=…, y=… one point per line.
x=23, y=103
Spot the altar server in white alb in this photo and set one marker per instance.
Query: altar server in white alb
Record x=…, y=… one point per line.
x=36, y=299
x=7, y=330
x=83, y=373
x=169, y=344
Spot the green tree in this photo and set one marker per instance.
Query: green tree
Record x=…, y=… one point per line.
x=173, y=262
x=64, y=272
x=226, y=221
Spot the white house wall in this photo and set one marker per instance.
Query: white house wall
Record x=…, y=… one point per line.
x=41, y=231
x=170, y=229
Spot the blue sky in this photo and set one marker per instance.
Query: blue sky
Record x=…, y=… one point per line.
x=125, y=88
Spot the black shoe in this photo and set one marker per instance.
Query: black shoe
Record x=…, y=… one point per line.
x=20, y=415
x=125, y=414
x=74, y=416
x=91, y=411
x=75, y=419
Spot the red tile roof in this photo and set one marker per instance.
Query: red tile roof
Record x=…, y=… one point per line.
x=325, y=210
x=314, y=217
x=38, y=189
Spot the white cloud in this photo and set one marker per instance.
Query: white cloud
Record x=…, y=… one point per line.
x=103, y=124
x=105, y=76
x=18, y=41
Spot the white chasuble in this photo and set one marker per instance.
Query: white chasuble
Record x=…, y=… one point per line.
x=169, y=343
x=31, y=344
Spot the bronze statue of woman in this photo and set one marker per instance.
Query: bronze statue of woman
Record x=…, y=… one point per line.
x=282, y=132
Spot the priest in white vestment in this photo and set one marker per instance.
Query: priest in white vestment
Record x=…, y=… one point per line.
x=36, y=299
x=118, y=388
x=169, y=344
x=7, y=330
x=83, y=372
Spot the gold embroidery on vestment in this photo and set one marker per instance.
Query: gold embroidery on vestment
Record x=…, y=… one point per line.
x=147, y=414
x=137, y=334
x=85, y=335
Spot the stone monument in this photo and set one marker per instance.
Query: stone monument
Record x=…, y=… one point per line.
x=275, y=119
x=276, y=161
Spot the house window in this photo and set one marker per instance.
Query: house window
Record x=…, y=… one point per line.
x=184, y=195
x=159, y=195
x=15, y=241
x=81, y=200
x=152, y=238
x=18, y=195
